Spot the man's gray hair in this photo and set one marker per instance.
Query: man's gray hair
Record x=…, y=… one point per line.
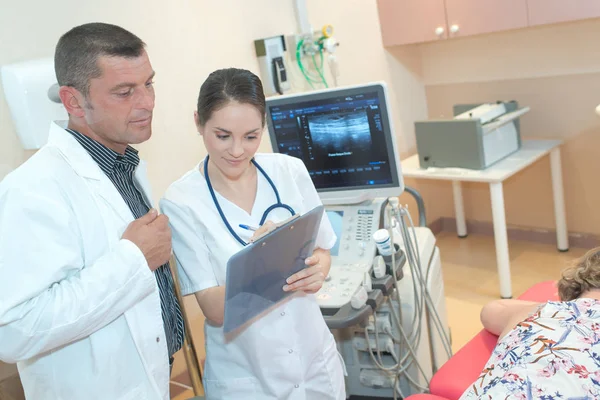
x=78, y=50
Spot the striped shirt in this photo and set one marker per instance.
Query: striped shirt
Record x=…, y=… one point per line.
x=120, y=169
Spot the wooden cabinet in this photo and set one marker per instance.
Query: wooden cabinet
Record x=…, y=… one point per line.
x=553, y=11
x=418, y=21
x=412, y=21
x=472, y=17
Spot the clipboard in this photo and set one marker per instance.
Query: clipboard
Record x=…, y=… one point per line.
x=257, y=273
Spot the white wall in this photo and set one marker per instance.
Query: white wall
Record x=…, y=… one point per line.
x=189, y=39
x=186, y=41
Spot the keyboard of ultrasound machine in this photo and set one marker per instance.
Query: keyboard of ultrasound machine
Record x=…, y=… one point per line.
x=341, y=284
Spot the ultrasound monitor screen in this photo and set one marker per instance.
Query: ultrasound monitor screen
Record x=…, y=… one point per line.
x=343, y=138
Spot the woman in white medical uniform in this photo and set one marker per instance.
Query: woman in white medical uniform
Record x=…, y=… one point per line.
x=288, y=353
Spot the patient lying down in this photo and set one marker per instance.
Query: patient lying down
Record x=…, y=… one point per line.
x=550, y=350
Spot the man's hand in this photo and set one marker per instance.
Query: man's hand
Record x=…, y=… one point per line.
x=151, y=233
x=311, y=278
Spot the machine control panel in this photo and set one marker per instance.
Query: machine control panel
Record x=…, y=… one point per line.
x=352, y=255
x=341, y=284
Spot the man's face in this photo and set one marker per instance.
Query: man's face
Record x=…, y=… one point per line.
x=119, y=105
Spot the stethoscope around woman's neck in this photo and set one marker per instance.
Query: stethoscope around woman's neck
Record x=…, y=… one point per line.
x=278, y=204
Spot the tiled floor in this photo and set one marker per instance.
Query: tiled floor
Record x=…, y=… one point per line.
x=470, y=278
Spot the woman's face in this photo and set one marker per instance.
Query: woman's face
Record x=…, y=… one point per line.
x=232, y=136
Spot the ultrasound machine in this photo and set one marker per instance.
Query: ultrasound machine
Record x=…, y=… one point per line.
x=388, y=314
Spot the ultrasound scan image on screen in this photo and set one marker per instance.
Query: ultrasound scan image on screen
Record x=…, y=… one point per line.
x=336, y=134
x=343, y=138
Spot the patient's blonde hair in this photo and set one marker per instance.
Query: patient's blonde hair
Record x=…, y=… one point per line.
x=580, y=277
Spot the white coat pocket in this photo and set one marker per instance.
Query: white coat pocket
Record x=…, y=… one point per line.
x=242, y=388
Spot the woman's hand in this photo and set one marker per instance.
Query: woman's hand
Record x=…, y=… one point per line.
x=264, y=228
x=311, y=278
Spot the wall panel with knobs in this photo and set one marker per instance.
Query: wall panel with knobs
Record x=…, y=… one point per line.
x=472, y=17
x=418, y=21
x=412, y=21
x=553, y=11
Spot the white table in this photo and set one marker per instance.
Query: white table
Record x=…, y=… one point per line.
x=495, y=175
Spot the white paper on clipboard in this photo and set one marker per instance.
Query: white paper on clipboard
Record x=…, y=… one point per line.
x=256, y=274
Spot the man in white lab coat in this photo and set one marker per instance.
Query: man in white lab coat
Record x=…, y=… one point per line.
x=87, y=305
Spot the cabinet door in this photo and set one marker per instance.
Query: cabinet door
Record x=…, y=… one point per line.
x=411, y=21
x=472, y=17
x=551, y=11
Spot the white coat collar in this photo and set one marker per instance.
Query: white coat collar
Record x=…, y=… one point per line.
x=75, y=154
x=84, y=165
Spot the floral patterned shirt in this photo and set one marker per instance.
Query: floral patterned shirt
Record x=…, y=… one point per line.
x=553, y=354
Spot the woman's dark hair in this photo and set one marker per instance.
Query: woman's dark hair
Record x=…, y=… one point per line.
x=226, y=85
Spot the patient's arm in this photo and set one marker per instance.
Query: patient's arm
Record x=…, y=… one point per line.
x=500, y=316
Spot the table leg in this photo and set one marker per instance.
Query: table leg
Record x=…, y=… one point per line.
x=501, y=238
x=562, y=236
x=459, y=210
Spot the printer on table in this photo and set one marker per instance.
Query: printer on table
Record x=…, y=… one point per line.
x=478, y=136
